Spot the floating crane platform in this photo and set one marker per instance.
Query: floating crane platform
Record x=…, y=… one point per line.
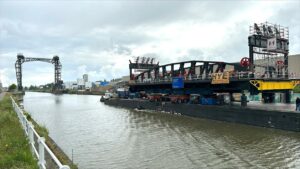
x=264, y=71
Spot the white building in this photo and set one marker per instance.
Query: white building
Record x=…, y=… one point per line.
x=88, y=85
x=85, y=77
x=293, y=64
x=79, y=84
x=74, y=86
x=70, y=85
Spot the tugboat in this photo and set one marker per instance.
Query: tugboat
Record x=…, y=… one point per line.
x=107, y=96
x=102, y=99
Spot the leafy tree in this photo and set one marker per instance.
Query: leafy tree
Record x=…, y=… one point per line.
x=31, y=87
x=12, y=87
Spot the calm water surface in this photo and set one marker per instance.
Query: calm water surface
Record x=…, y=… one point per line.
x=107, y=137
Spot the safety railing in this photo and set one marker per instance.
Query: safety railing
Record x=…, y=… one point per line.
x=46, y=158
x=233, y=76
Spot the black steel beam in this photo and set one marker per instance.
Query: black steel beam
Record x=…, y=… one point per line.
x=57, y=70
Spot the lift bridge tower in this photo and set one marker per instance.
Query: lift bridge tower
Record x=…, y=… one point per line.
x=268, y=50
x=57, y=70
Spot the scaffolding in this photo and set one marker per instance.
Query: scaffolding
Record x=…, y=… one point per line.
x=268, y=49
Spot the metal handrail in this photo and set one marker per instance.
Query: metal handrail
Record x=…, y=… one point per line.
x=31, y=132
x=238, y=76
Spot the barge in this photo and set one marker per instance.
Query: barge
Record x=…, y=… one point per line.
x=265, y=71
x=285, y=120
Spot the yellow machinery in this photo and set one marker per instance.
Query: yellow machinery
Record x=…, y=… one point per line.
x=275, y=85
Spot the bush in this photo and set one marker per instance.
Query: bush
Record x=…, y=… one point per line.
x=12, y=87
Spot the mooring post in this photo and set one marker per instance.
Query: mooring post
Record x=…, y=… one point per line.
x=42, y=161
x=243, y=100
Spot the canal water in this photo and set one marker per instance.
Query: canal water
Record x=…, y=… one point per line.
x=107, y=137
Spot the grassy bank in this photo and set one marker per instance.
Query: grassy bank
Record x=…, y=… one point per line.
x=43, y=132
x=14, y=147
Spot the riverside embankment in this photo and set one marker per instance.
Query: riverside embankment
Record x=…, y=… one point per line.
x=48, y=153
x=107, y=137
x=14, y=148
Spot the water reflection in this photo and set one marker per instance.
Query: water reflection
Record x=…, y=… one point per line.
x=109, y=137
x=57, y=99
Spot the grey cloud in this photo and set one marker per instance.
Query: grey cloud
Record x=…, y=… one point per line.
x=289, y=17
x=155, y=56
x=195, y=54
x=47, y=43
x=121, y=14
x=123, y=50
x=93, y=13
x=103, y=35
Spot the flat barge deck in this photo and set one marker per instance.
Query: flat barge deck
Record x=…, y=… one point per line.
x=252, y=115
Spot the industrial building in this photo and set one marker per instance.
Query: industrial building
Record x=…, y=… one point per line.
x=293, y=64
x=80, y=84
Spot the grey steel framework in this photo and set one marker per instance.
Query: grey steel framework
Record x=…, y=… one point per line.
x=268, y=43
x=205, y=68
x=57, y=69
x=258, y=48
x=258, y=40
x=141, y=63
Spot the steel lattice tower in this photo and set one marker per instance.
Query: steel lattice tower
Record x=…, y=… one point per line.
x=57, y=70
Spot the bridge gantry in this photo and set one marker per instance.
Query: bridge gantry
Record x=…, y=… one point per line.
x=57, y=69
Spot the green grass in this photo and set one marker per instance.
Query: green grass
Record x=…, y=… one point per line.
x=14, y=147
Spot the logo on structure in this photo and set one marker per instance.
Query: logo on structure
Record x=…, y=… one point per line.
x=272, y=44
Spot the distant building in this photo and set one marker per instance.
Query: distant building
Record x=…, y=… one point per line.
x=80, y=84
x=293, y=65
x=85, y=77
x=88, y=85
x=120, y=82
x=74, y=86
x=101, y=83
x=70, y=85
x=125, y=78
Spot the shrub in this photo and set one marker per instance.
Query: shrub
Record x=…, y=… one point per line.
x=12, y=87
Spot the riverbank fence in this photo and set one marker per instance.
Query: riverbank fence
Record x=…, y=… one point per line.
x=46, y=158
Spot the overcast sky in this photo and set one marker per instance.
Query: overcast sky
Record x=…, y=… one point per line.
x=99, y=37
